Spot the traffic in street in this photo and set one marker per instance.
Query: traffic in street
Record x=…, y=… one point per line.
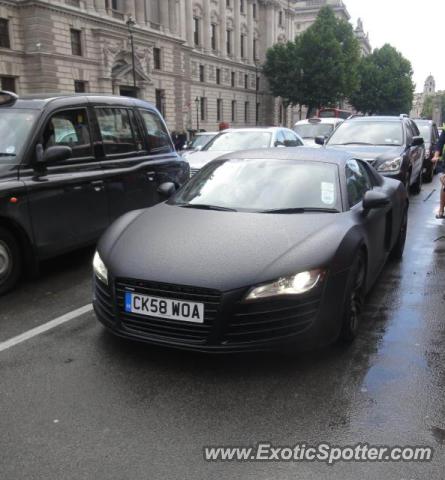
x=78, y=402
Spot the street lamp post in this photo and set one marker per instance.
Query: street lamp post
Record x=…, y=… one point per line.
x=130, y=24
x=197, y=113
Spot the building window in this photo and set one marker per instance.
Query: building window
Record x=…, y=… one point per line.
x=160, y=101
x=115, y=4
x=4, y=33
x=196, y=30
x=213, y=38
x=254, y=49
x=242, y=45
x=229, y=42
x=232, y=79
x=80, y=86
x=254, y=10
x=257, y=83
x=227, y=3
x=241, y=6
x=76, y=42
x=218, y=76
x=219, y=110
x=257, y=114
x=233, y=110
x=246, y=112
x=203, y=105
x=8, y=84
x=157, y=58
x=280, y=18
x=201, y=73
x=246, y=81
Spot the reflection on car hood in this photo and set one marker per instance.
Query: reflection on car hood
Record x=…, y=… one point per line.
x=371, y=153
x=219, y=250
x=199, y=159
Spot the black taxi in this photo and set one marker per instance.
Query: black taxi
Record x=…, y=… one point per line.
x=69, y=166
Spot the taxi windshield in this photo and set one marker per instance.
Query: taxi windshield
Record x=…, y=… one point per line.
x=15, y=128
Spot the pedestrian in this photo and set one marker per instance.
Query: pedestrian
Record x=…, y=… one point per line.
x=437, y=154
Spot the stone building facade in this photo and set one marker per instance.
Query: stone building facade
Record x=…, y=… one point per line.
x=197, y=60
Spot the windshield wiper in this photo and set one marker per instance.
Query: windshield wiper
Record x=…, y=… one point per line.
x=4, y=154
x=201, y=206
x=353, y=143
x=301, y=210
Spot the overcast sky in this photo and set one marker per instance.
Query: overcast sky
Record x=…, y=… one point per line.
x=415, y=28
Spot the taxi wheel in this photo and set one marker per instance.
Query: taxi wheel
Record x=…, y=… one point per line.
x=10, y=261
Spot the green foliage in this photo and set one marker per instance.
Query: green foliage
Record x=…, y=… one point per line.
x=319, y=68
x=386, y=85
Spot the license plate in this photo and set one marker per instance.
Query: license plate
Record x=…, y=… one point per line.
x=164, y=308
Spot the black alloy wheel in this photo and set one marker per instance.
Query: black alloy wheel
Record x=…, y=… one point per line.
x=399, y=247
x=10, y=261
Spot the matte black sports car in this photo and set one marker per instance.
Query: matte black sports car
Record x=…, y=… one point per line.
x=260, y=248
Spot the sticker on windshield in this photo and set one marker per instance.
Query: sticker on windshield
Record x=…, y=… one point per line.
x=327, y=193
x=10, y=149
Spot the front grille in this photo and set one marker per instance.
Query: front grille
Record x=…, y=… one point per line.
x=177, y=330
x=271, y=320
x=193, y=171
x=104, y=301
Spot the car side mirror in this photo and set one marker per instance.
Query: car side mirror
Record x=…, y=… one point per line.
x=198, y=148
x=374, y=199
x=167, y=189
x=417, y=141
x=54, y=154
x=320, y=140
x=278, y=144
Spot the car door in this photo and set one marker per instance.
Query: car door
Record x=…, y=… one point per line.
x=416, y=153
x=374, y=222
x=130, y=177
x=67, y=200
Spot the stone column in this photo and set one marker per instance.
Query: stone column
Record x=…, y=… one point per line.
x=90, y=5
x=148, y=12
x=222, y=28
x=140, y=12
x=182, y=21
x=251, y=34
x=100, y=6
x=206, y=25
x=130, y=8
x=173, y=16
x=189, y=22
x=236, y=30
x=165, y=16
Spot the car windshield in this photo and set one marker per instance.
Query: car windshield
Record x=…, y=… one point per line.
x=15, y=128
x=425, y=132
x=263, y=185
x=200, y=140
x=312, y=130
x=368, y=133
x=232, y=141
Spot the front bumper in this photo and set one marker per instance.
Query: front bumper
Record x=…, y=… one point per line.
x=309, y=321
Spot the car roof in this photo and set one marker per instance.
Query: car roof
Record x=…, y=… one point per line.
x=424, y=121
x=42, y=100
x=206, y=133
x=377, y=118
x=329, y=120
x=322, y=155
x=254, y=129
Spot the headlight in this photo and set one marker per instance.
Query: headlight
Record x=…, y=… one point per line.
x=294, y=285
x=390, y=165
x=100, y=269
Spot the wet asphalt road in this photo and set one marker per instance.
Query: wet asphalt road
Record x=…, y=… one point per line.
x=76, y=403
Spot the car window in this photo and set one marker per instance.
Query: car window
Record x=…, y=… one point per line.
x=158, y=137
x=409, y=134
x=291, y=139
x=69, y=128
x=281, y=140
x=230, y=141
x=357, y=182
x=117, y=133
x=368, y=132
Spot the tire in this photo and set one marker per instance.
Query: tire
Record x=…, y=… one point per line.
x=354, y=299
x=407, y=181
x=429, y=174
x=10, y=261
x=417, y=186
x=399, y=247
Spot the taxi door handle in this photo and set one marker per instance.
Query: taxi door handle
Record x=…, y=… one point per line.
x=98, y=185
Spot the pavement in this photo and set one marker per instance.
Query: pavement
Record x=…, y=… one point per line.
x=77, y=403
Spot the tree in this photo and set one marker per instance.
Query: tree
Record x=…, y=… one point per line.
x=386, y=86
x=319, y=68
x=427, y=110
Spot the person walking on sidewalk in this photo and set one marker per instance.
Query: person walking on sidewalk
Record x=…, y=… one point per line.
x=436, y=157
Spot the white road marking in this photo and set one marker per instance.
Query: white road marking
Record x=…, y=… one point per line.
x=45, y=327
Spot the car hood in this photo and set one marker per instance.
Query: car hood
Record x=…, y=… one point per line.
x=310, y=142
x=371, y=153
x=197, y=160
x=216, y=249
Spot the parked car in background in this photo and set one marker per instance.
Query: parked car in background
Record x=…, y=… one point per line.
x=69, y=166
x=276, y=247
x=198, y=142
x=392, y=145
x=430, y=134
x=234, y=139
x=309, y=129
